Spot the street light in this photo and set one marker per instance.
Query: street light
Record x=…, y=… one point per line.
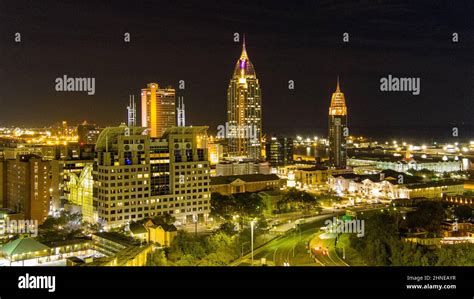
x=252, y=223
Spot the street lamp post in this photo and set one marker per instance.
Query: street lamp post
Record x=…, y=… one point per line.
x=251, y=237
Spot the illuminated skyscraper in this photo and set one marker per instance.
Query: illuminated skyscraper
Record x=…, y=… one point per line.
x=244, y=110
x=158, y=109
x=337, y=129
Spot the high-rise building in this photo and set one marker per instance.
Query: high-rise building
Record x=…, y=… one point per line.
x=279, y=151
x=3, y=183
x=29, y=186
x=158, y=109
x=136, y=176
x=87, y=133
x=337, y=125
x=244, y=110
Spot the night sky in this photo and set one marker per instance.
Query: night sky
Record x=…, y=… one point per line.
x=193, y=41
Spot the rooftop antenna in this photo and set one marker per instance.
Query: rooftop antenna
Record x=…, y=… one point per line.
x=181, y=112
x=132, y=112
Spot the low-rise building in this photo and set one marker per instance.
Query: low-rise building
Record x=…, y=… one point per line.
x=390, y=184
x=227, y=185
x=153, y=232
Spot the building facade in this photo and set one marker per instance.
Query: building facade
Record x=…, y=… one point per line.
x=279, y=151
x=158, y=109
x=87, y=133
x=244, y=110
x=390, y=185
x=337, y=125
x=227, y=185
x=137, y=177
x=30, y=182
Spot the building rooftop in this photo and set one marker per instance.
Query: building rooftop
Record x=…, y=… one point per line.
x=23, y=245
x=389, y=175
x=115, y=237
x=435, y=184
x=258, y=177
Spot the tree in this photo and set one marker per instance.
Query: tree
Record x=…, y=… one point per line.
x=456, y=255
x=463, y=212
x=428, y=216
x=228, y=228
x=166, y=218
x=157, y=258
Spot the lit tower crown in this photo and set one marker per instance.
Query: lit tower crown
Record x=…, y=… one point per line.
x=244, y=110
x=244, y=67
x=337, y=125
x=338, y=102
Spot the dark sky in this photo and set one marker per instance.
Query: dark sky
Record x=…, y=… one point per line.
x=193, y=41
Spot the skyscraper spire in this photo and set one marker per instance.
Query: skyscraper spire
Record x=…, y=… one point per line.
x=244, y=67
x=244, y=50
x=337, y=87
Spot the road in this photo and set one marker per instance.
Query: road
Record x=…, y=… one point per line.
x=289, y=249
x=327, y=255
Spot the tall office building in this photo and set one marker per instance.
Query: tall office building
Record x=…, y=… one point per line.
x=244, y=110
x=87, y=133
x=337, y=129
x=158, y=109
x=3, y=183
x=30, y=186
x=136, y=176
x=279, y=151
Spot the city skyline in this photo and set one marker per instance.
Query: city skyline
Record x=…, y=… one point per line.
x=159, y=134
x=301, y=56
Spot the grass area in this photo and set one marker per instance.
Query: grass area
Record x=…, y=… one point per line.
x=352, y=257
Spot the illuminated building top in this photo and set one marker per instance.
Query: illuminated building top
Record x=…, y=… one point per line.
x=338, y=102
x=244, y=67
